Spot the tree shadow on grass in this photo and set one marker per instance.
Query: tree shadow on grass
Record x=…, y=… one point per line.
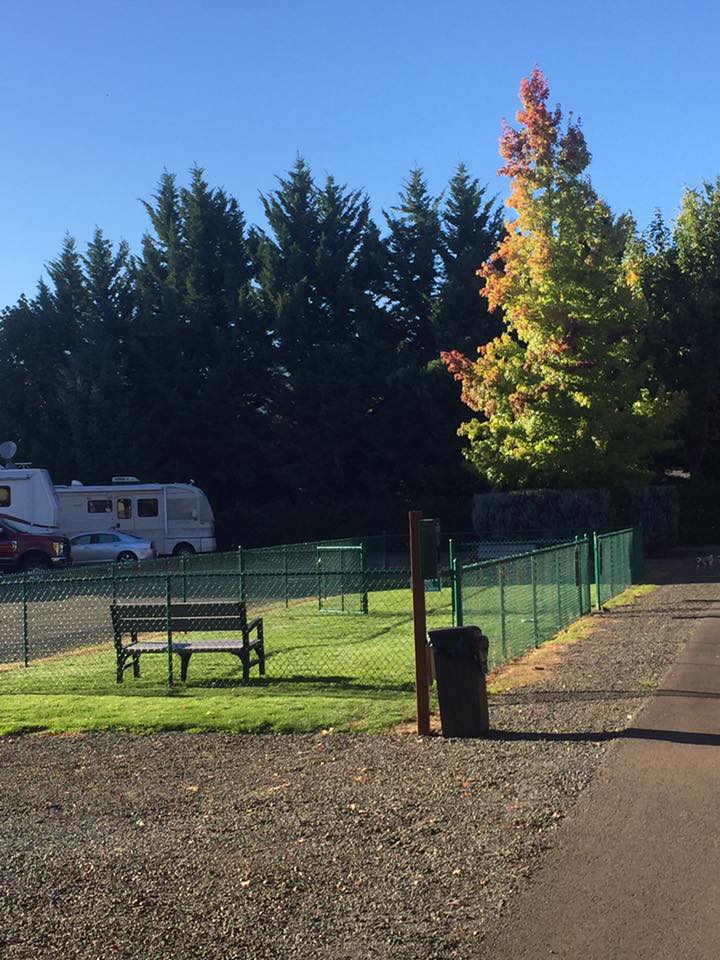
x=313, y=683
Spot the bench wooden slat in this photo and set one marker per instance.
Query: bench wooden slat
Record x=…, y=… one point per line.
x=186, y=608
x=181, y=624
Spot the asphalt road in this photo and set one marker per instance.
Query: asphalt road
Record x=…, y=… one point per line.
x=635, y=872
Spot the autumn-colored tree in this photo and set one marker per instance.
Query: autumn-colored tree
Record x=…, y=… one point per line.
x=563, y=394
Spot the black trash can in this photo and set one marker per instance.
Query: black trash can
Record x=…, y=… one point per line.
x=461, y=655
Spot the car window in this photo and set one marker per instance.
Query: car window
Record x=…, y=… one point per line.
x=81, y=541
x=106, y=538
x=5, y=497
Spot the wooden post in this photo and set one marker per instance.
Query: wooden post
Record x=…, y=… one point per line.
x=420, y=626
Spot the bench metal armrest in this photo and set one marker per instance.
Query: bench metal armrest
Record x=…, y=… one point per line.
x=256, y=624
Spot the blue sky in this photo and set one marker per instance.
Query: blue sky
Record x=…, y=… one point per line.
x=97, y=98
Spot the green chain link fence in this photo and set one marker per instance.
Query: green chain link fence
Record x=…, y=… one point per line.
x=336, y=614
x=520, y=601
x=618, y=562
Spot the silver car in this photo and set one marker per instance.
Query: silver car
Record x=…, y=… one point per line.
x=110, y=547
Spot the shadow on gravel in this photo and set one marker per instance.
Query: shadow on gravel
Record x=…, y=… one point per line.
x=588, y=696
x=621, y=613
x=602, y=736
x=696, y=616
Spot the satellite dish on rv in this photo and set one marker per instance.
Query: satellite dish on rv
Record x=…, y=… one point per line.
x=7, y=450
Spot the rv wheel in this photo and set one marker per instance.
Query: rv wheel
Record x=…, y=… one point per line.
x=184, y=550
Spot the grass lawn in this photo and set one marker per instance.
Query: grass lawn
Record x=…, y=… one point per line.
x=324, y=669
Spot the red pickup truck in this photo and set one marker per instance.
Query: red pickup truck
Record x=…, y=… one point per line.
x=20, y=551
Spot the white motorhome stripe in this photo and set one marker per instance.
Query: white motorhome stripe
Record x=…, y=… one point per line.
x=28, y=523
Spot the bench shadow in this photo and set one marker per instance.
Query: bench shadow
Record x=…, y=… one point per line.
x=335, y=683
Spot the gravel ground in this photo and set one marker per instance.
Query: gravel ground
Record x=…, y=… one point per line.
x=174, y=846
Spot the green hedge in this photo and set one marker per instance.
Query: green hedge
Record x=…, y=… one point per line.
x=567, y=513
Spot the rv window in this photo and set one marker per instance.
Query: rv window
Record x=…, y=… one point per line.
x=5, y=497
x=99, y=506
x=181, y=508
x=148, y=508
x=124, y=509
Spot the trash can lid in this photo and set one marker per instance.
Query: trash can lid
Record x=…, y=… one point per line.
x=463, y=643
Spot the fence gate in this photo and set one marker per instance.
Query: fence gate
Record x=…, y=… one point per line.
x=342, y=586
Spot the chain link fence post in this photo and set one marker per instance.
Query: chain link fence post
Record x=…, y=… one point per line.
x=533, y=578
x=363, y=581
x=453, y=574
x=26, y=635
x=168, y=624
x=241, y=574
x=503, y=637
x=457, y=589
x=285, y=576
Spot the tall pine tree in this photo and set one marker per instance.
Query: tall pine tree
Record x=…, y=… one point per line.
x=318, y=288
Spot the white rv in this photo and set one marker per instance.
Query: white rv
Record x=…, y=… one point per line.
x=177, y=517
x=28, y=498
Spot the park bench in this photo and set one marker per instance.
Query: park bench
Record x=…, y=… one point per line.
x=131, y=620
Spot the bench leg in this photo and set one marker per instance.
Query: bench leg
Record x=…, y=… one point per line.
x=120, y=668
x=136, y=666
x=184, y=664
x=261, y=648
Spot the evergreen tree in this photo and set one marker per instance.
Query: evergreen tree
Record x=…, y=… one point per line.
x=413, y=246
x=97, y=390
x=200, y=354
x=318, y=290
x=681, y=281
x=32, y=354
x=37, y=342
x=471, y=228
